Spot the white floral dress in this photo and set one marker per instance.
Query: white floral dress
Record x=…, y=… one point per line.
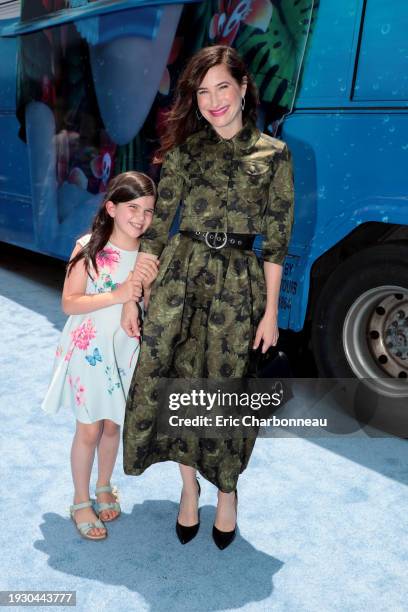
x=95, y=358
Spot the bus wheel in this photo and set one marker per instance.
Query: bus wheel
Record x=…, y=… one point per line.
x=360, y=330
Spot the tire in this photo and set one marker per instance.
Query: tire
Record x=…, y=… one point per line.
x=360, y=331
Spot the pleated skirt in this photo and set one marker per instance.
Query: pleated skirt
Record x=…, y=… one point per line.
x=201, y=322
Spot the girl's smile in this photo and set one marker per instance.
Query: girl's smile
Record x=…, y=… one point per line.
x=130, y=220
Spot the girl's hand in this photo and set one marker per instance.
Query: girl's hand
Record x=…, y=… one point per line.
x=130, y=320
x=130, y=290
x=146, y=270
x=267, y=332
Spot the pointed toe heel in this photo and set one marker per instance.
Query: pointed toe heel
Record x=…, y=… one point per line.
x=186, y=534
x=224, y=538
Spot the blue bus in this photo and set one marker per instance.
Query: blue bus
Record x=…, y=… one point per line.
x=346, y=277
x=83, y=88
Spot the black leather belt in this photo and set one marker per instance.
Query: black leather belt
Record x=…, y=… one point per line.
x=219, y=240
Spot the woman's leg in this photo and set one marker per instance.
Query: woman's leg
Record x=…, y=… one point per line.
x=82, y=457
x=226, y=516
x=188, y=513
x=107, y=453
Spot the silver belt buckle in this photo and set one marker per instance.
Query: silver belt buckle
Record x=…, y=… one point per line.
x=216, y=237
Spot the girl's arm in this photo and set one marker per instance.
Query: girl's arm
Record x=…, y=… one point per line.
x=144, y=274
x=76, y=301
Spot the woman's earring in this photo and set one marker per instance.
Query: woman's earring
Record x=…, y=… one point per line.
x=242, y=103
x=198, y=114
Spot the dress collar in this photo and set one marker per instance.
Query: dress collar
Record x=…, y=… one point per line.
x=245, y=139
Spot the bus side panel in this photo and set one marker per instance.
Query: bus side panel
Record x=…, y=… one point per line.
x=16, y=224
x=350, y=168
x=16, y=219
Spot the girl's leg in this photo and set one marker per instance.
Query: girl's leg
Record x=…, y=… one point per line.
x=188, y=513
x=82, y=457
x=226, y=515
x=107, y=453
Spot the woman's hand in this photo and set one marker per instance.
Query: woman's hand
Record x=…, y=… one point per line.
x=144, y=257
x=130, y=290
x=129, y=320
x=267, y=332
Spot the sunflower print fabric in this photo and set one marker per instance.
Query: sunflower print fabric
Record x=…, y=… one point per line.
x=206, y=304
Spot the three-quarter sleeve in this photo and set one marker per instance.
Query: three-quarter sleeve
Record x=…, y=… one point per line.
x=278, y=218
x=170, y=191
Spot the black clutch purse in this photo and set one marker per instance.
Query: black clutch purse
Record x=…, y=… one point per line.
x=272, y=364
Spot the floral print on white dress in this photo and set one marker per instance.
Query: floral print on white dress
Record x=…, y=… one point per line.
x=95, y=359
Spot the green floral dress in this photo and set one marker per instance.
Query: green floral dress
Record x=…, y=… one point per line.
x=206, y=304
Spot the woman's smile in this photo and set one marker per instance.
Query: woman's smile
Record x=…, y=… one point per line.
x=220, y=111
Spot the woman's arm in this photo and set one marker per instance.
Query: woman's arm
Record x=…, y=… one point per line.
x=278, y=227
x=268, y=327
x=76, y=301
x=149, y=271
x=170, y=191
x=278, y=218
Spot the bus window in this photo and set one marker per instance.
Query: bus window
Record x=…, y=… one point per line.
x=326, y=70
x=382, y=72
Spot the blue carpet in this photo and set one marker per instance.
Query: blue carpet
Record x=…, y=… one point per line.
x=322, y=522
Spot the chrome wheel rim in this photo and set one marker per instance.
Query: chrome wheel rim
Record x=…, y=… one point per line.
x=375, y=339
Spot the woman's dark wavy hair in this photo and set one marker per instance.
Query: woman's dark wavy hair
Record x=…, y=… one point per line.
x=181, y=121
x=122, y=188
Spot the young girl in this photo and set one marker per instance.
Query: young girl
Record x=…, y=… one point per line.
x=95, y=358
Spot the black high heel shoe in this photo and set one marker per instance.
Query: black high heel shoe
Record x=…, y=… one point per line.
x=186, y=534
x=224, y=538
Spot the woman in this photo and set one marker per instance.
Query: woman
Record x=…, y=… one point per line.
x=208, y=306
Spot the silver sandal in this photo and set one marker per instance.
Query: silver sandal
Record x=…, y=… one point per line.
x=85, y=528
x=101, y=506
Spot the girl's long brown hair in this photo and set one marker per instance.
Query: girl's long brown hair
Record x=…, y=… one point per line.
x=182, y=121
x=122, y=188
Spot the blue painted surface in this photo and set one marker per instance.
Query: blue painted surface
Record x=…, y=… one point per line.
x=348, y=135
x=383, y=64
x=139, y=22
x=8, y=55
x=15, y=189
x=35, y=211
x=96, y=9
x=330, y=54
